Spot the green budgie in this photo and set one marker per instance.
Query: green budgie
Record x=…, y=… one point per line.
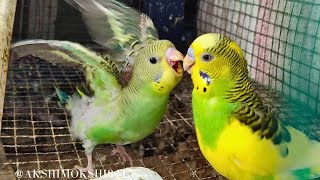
x=239, y=135
x=131, y=85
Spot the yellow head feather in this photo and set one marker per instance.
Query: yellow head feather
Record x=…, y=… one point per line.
x=215, y=61
x=157, y=65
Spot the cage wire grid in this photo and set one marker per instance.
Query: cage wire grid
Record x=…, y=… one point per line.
x=280, y=40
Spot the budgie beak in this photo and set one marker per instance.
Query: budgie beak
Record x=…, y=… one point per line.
x=174, y=57
x=189, y=61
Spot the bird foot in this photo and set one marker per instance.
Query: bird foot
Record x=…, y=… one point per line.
x=123, y=154
x=83, y=169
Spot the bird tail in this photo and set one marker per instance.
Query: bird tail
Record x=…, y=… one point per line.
x=315, y=172
x=63, y=97
x=308, y=165
x=312, y=163
x=300, y=174
x=307, y=173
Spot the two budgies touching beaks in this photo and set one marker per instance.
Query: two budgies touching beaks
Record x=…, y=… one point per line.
x=239, y=135
x=131, y=85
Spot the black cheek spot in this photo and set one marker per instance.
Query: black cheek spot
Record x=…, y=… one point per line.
x=204, y=89
x=161, y=87
x=197, y=87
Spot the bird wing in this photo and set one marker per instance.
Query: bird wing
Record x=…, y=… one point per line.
x=102, y=74
x=116, y=26
x=295, y=154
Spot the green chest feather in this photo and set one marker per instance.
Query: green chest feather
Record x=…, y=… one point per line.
x=144, y=116
x=211, y=116
x=137, y=117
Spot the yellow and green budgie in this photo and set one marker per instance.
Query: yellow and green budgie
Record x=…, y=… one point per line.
x=129, y=99
x=240, y=136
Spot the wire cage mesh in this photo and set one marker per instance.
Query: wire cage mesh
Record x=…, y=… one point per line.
x=280, y=40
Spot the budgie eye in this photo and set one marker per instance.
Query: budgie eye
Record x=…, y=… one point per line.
x=207, y=57
x=153, y=60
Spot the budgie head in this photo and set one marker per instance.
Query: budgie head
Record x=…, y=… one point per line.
x=215, y=62
x=133, y=43
x=157, y=65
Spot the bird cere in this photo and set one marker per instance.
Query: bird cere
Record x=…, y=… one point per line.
x=157, y=98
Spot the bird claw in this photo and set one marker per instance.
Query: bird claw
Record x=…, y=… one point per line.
x=89, y=167
x=83, y=169
x=125, y=157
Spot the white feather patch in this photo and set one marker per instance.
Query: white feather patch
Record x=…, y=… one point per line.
x=86, y=114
